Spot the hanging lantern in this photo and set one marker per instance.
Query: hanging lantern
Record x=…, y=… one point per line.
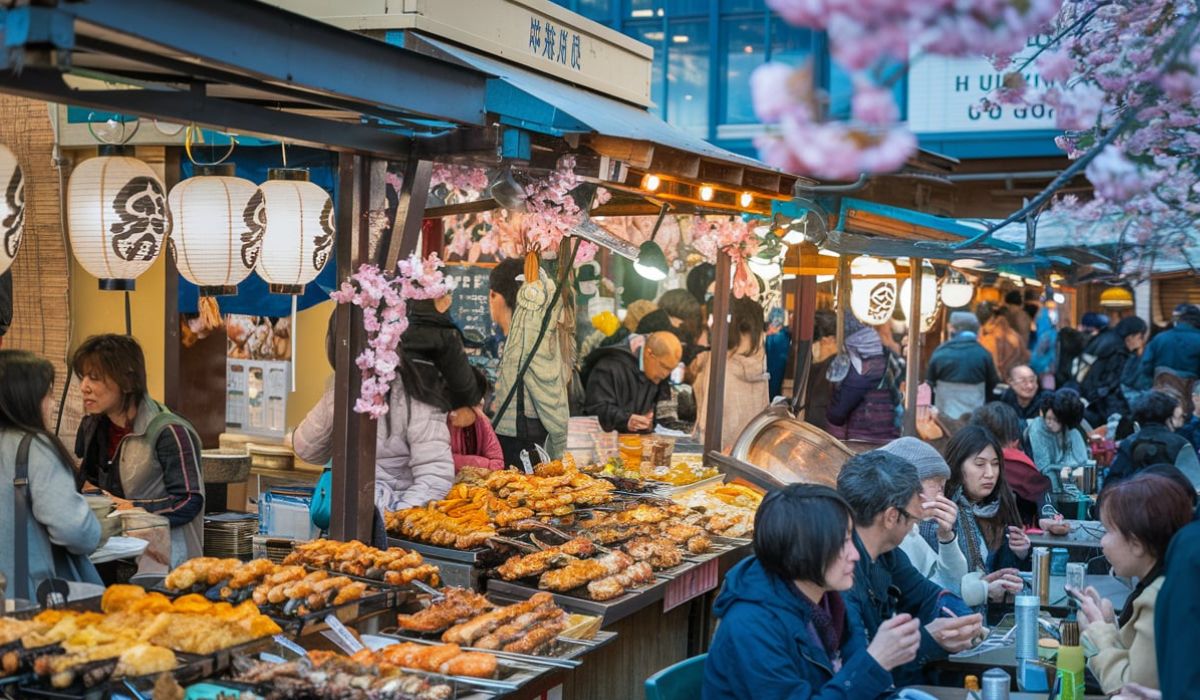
x=929, y=297
x=117, y=217
x=12, y=210
x=872, y=289
x=297, y=236
x=957, y=291
x=216, y=237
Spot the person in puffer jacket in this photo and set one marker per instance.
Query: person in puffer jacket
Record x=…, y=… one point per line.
x=863, y=405
x=961, y=371
x=413, y=464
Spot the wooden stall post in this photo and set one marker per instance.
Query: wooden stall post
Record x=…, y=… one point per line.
x=718, y=339
x=803, y=320
x=913, y=369
x=843, y=299
x=353, y=511
x=410, y=213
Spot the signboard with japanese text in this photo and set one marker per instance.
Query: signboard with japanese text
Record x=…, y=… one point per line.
x=945, y=95
x=535, y=34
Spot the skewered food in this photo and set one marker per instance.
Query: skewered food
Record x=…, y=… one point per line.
x=660, y=554
x=614, y=586
x=533, y=564
x=295, y=588
x=338, y=678
x=577, y=573
x=394, y=565
x=206, y=571
x=537, y=638
x=467, y=633
x=443, y=658
x=457, y=605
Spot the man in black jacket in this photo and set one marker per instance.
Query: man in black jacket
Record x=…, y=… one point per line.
x=961, y=372
x=1024, y=393
x=1101, y=387
x=626, y=381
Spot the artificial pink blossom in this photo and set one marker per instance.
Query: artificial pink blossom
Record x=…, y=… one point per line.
x=1114, y=176
x=586, y=252
x=1056, y=66
x=384, y=319
x=424, y=279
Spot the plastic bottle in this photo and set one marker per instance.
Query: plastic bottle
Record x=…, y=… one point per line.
x=1070, y=664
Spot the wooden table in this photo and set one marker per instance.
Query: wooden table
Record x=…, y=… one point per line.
x=1084, y=535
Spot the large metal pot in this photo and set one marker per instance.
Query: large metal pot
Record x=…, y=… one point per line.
x=790, y=450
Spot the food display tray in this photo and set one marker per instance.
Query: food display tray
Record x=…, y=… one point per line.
x=190, y=668
x=514, y=670
x=609, y=611
x=371, y=605
x=565, y=653
x=662, y=488
x=463, y=556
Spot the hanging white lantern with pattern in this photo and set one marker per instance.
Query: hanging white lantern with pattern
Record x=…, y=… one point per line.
x=930, y=304
x=957, y=290
x=872, y=289
x=12, y=209
x=297, y=236
x=216, y=236
x=117, y=217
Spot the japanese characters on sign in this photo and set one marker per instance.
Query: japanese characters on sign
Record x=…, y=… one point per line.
x=555, y=43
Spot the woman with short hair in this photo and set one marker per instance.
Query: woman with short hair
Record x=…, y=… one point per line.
x=784, y=630
x=133, y=447
x=60, y=530
x=1140, y=516
x=1055, y=438
x=1158, y=414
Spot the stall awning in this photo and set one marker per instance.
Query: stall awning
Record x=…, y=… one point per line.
x=622, y=131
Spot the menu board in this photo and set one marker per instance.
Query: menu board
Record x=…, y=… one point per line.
x=470, y=306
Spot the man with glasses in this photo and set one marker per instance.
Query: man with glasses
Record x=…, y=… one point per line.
x=884, y=492
x=1024, y=393
x=626, y=381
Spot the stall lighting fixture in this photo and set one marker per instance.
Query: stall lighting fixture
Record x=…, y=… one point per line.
x=1060, y=298
x=651, y=262
x=828, y=253
x=651, y=183
x=746, y=200
x=706, y=193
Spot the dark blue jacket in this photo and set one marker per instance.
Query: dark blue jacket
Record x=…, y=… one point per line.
x=779, y=349
x=1191, y=431
x=1176, y=634
x=1177, y=349
x=1025, y=413
x=963, y=360
x=764, y=649
x=891, y=585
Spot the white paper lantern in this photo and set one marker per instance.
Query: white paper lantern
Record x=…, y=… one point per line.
x=117, y=218
x=298, y=231
x=929, y=297
x=217, y=234
x=12, y=209
x=872, y=289
x=957, y=291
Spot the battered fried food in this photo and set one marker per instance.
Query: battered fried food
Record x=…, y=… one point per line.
x=468, y=632
x=583, y=571
x=393, y=565
x=523, y=566
x=616, y=585
x=457, y=605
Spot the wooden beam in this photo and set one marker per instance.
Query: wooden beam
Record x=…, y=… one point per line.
x=172, y=394
x=913, y=370
x=353, y=502
x=718, y=337
x=410, y=212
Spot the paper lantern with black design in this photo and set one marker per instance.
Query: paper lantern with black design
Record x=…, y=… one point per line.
x=930, y=299
x=872, y=289
x=117, y=218
x=12, y=209
x=298, y=231
x=217, y=233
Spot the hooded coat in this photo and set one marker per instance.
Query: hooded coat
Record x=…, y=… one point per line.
x=765, y=646
x=747, y=393
x=617, y=388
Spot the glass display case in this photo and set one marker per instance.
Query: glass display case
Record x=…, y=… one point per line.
x=787, y=450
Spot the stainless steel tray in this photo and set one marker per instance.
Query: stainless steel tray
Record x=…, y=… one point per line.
x=566, y=652
x=515, y=670
x=463, y=556
x=609, y=611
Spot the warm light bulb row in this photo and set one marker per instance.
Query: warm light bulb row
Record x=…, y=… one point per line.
x=220, y=227
x=705, y=193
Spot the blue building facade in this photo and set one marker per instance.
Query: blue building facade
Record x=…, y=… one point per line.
x=705, y=50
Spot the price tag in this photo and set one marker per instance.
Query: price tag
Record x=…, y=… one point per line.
x=525, y=464
x=543, y=455
x=339, y=635
x=291, y=646
x=690, y=584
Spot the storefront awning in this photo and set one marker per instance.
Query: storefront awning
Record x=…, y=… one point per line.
x=619, y=130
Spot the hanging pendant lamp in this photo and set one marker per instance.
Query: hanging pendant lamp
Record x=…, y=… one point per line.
x=12, y=209
x=872, y=289
x=298, y=231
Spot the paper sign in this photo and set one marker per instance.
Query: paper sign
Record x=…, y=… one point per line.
x=690, y=584
x=339, y=635
x=290, y=645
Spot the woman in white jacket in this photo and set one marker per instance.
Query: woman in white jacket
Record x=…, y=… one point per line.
x=413, y=463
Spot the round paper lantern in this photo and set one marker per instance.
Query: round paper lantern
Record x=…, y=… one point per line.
x=957, y=292
x=216, y=235
x=872, y=289
x=929, y=297
x=12, y=209
x=297, y=237
x=117, y=217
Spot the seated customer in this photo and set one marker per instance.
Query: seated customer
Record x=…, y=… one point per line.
x=989, y=527
x=626, y=381
x=1140, y=516
x=784, y=632
x=1157, y=414
x=930, y=544
x=1030, y=486
x=884, y=494
x=1024, y=394
x=1055, y=439
x=475, y=445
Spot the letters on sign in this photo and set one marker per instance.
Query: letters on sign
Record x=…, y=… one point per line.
x=555, y=43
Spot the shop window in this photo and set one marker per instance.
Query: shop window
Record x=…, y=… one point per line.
x=599, y=10
x=688, y=76
x=732, y=6
x=745, y=48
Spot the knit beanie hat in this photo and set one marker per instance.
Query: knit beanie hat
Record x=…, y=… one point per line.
x=922, y=455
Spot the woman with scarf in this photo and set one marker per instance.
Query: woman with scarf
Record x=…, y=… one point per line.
x=785, y=632
x=864, y=400
x=989, y=530
x=1140, y=516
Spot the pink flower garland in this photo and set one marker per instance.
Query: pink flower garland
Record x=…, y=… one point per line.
x=551, y=211
x=736, y=238
x=424, y=279
x=385, y=319
x=463, y=178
